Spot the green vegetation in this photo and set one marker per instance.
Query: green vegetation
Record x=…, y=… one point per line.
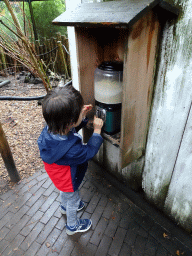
x=44, y=12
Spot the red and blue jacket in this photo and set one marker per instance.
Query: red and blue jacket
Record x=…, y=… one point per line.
x=66, y=157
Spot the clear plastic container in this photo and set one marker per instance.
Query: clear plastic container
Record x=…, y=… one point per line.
x=108, y=80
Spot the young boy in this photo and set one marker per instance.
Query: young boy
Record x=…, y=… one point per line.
x=63, y=153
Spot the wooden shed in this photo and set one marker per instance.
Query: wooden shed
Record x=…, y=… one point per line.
x=129, y=31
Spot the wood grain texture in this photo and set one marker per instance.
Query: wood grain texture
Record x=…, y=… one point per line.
x=138, y=86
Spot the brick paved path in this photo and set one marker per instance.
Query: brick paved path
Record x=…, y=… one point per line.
x=31, y=223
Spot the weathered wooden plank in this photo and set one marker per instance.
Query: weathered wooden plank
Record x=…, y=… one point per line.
x=178, y=202
x=170, y=110
x=112, y=13
x=138, y=87
x=87, y=55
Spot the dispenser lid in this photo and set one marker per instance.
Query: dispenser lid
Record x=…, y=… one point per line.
x=111, y=66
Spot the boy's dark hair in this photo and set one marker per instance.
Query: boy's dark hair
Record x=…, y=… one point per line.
x=61, y=107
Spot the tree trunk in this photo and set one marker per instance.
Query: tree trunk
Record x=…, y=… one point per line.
x=7, y=157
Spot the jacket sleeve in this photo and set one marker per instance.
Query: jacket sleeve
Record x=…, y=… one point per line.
x=82, y=124
x=80, y=153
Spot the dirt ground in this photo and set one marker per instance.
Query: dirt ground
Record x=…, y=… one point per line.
x=22, y=122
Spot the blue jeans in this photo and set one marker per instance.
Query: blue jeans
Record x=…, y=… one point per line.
x=70, y=201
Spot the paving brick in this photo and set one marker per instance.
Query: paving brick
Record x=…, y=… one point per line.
x=87, y=184
x=20, y=202
x=32, y=236
x=108, y=210
x=93, y=203
x=125, y=220
x=81, y=244
x=1, y=201
x=97, y=215
x=117, y=241
x=7, y=205
x=35, y=197
x=111, y=228
x=110, y=217
x=51, y=239
x=3, y=232
x=18, y=252
x=57, y=213
x=86, y=195
x=167, y=241
x=31, y=223
x=67, y=247
x=58, y=245
x=49, y=190
x=37, y=205
x=49, y=213
x=42, y=176
x=161, y=251
x=48, y=202
x=139, y=246
x=131, y=233
x=58, y=198
x=13, y=246
x=104, y=246
x=44, y=250
x=37, y=186
x=85, y=237
x=5, y=219
x=52, y=253
x=98, y=233
x=103, y=201
x=17, y=228
x=17, y=216
x=47, y=183
x=27, y=187
x=151, y=246
x=86, y=215
x=91, y=249
x=142, y=232
x=126, y=250
x=45, y=232
x=3, y=245
x=147, y=222
x=61, y=223
x=33, y=249
x=7, y=194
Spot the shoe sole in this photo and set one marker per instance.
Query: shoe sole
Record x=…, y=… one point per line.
x=70, y=233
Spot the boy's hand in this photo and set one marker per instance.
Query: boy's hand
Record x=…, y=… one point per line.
x=86, y=109
x=97, y=124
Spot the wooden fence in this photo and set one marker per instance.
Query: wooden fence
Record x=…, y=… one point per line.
x=54, y=53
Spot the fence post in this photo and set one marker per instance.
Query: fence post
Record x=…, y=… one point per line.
x=3, y=59
x=7, y=157
x=66, y=44
x=62, y=58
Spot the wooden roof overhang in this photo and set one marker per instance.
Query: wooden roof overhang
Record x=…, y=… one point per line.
x=114, y=13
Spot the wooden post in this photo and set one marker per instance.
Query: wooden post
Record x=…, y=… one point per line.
x=7, y=157
x=49, y=57
x=33, y=20
x=65, y=42
x=52, y=53
x=45, y=57
x=3, y=59
x=57, y=65
x=62, y=58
